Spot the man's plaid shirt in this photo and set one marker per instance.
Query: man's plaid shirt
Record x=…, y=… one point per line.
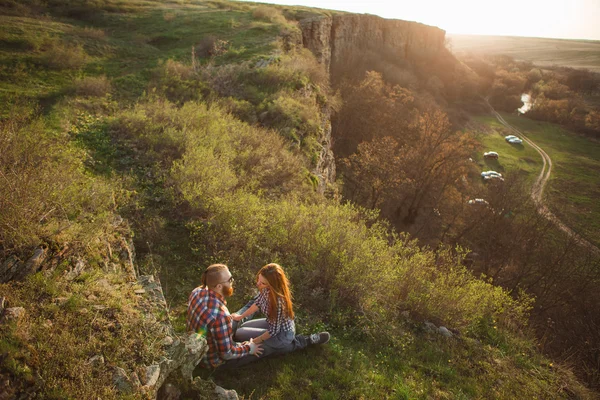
x=281, y=322
x=207, y=315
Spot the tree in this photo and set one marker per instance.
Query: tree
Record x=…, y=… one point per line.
x=372, y=109
x=404, y=179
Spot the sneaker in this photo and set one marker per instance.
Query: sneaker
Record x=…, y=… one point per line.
x=319, y=338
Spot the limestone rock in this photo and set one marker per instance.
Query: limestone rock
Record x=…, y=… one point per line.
x=122, y=381
x=14, y=313
x=152, y=375
x=167, y=341
x=33, y=264
x=96, y=360
x=224, y=394
x=75, y=271
x=9, y=268
x=444, y=331
x=430, y=327
x=169, y=392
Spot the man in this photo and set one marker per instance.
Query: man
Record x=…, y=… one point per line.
x=208, y=315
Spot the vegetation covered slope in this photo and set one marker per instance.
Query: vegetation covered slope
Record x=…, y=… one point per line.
x=199, y=125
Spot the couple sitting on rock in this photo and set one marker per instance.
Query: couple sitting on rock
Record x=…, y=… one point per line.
x=233, y=338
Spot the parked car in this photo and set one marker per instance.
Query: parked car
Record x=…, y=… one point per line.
x=490, y=154
x=481, y=202
x=491, y=175
x=515, y=141
x=507, y=138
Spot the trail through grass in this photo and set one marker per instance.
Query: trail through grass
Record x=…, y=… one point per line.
x=574, y=185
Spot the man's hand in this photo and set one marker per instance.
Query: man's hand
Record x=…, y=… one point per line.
x=236, y=317
x=255, y=348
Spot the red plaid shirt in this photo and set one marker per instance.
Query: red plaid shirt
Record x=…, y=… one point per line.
x=207, y=315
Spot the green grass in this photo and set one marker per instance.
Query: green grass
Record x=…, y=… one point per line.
x=574, y=186
x=126, y=47
x=522, y=158
x=427, y=367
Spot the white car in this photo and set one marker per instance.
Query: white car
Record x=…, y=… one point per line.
x=491, y=175
x=507, y=138
x=478, y=202
x=490, y=154
x=515, y=141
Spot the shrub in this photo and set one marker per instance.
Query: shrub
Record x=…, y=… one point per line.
x=210, y=152
x=178, y=82
x=211, y=46
x=340, y=261
x=93, y=86
x=91, y=33
x=294, y=115
x=65, y=56
x=270, y=14
x=45, y=193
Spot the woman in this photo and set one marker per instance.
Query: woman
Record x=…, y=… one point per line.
x=277, y=332
x=275, y=302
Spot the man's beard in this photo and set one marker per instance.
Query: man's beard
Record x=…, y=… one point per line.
x=227, y=291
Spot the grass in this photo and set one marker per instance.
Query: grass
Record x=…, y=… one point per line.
x=540, y=51
x=64, y=328
x=574, y=187
x=124, y=47
x=522, y=158
x=426, y=367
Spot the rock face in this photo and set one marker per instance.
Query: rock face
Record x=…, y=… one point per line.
x=334, y=39
x=325, y=168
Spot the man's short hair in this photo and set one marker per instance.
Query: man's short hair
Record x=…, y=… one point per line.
x=214, y=275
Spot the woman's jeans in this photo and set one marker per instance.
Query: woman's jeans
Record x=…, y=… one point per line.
x=283, y=342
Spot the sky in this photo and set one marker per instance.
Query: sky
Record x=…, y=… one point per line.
x=568, y=19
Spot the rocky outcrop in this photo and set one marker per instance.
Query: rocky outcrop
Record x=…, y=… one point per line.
x=334, y=39
x=180, y=354
x=325, y=168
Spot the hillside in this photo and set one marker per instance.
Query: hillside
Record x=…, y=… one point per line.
x=543, y=52
x=141, y=141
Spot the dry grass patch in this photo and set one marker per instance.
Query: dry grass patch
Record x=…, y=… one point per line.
x=93, y=86
x=90, y=33
x=270, y=14
x=65, y=56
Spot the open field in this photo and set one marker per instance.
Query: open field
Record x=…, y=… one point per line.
x=574, y=187
x=540, y=51
x=513, y=157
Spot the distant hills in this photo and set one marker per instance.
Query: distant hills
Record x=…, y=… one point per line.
x=540, y=51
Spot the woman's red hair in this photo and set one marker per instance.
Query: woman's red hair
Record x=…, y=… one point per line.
x=279, y=287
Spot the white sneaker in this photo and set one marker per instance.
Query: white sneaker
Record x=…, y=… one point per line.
x=319, y=338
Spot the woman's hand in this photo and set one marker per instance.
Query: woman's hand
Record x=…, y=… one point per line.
x=236, y=317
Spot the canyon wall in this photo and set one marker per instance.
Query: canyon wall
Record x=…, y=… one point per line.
x=334, y=39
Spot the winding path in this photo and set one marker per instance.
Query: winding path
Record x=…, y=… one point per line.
x=537, y=190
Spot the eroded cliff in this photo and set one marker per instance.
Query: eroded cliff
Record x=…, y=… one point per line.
x=335, y=39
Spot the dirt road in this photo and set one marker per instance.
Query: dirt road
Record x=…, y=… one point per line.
x=537, y=190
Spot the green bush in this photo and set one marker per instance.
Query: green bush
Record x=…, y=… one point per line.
x=340, y=261
x=45, y=194
x=178, y=82
x=63, y=56
x=93, y=86
x=210, y=151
